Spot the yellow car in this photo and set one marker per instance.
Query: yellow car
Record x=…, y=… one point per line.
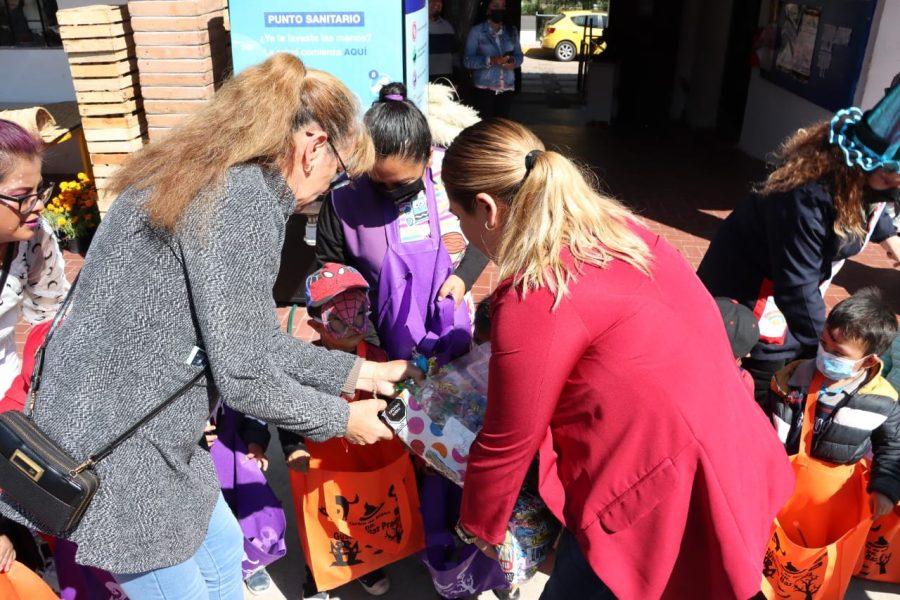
x=565, y=32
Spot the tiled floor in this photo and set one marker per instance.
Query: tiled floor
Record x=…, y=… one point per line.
x=682, y=184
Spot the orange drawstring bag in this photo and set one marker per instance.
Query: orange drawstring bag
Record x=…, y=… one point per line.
x=880, y=560
x=820, y=533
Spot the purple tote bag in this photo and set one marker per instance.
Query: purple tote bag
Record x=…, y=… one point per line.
x=246, y=491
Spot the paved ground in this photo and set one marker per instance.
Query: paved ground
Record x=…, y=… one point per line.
x=682, y=184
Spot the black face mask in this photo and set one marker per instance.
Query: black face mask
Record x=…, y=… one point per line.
x=402, y=193
x=498, y=15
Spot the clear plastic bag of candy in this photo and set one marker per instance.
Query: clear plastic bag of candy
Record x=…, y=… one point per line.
x=439, y=420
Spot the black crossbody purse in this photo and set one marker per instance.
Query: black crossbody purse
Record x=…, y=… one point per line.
x=40, y=479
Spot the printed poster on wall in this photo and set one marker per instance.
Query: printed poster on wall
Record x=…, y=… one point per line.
x=359, y=41
x=818, y=48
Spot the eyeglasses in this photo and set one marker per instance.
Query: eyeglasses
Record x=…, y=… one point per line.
x=341, y=179
x=27, y=202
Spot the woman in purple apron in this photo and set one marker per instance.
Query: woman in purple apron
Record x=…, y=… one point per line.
x=395, y=227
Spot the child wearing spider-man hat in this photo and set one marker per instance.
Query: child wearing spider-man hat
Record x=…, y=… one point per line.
x=337, y=302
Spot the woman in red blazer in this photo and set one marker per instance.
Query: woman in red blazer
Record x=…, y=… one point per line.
x=662, y=468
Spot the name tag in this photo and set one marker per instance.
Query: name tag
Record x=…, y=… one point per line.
x=414, y=224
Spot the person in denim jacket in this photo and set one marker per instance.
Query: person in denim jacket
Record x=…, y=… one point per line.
x=492, y=55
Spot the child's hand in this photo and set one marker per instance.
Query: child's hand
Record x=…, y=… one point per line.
x=7, y=554
x=210, y=435
x=881, y=505
x=454, y=286
x=257, y=453
x=298, y=460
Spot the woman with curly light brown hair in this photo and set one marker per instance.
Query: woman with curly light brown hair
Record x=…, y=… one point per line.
x=778, y=251
x=176, y=291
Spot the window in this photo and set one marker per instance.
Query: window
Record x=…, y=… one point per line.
x=29, y=23
x=599, y=21
x=556, y=20
x=580, y=21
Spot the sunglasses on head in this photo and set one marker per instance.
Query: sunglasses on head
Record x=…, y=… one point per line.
x=27, y=202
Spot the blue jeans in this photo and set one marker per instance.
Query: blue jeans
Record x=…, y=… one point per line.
x=213, y=573
x=572, y=575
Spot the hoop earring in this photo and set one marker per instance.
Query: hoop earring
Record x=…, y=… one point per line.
x=489, y=228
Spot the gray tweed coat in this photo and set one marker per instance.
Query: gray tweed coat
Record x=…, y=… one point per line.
x=124, y=347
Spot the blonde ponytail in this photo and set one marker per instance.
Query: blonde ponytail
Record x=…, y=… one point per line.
x=252, y=118
x=553, y=207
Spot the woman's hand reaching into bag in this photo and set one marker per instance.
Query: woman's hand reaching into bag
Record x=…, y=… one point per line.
x=381, y=378
x=364, y=425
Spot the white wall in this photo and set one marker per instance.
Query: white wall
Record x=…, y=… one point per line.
x=773, y=113
x=36, y=75
x=883, y=56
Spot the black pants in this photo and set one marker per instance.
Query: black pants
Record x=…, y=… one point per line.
x=762, y=372
x=490, y=104
x=573, y=577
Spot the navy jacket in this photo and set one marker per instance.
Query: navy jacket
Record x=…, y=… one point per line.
x=789, y=239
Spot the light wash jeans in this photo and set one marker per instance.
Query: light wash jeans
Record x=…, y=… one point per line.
x=213, y=573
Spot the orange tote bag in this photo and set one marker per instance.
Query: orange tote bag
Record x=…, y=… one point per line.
x=357, y=509
x=21, y=583
x=819, y=534
x=880, y=560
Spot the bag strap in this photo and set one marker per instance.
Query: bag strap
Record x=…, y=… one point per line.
x=7, y=263
x=807, y=428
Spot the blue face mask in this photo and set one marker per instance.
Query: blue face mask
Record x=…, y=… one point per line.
x=834, y=367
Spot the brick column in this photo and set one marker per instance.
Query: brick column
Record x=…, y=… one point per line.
x=184, y=52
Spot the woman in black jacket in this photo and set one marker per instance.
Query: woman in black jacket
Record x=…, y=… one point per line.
x=778, y=251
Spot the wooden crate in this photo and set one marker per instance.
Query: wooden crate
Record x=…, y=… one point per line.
x=117, y=121
x=111, y=69
x=110, y=108
x=105, y=30
x=116, y=147
x=110, y=44
x=106, y=97
x=112, y=134
x=96, y=14
x=107, y=84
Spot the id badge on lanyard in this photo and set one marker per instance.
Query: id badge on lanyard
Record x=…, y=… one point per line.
x=414, y=223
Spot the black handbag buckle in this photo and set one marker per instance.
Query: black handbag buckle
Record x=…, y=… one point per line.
x=28, y=466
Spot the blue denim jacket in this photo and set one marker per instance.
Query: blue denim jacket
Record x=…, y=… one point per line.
x=481, y=45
